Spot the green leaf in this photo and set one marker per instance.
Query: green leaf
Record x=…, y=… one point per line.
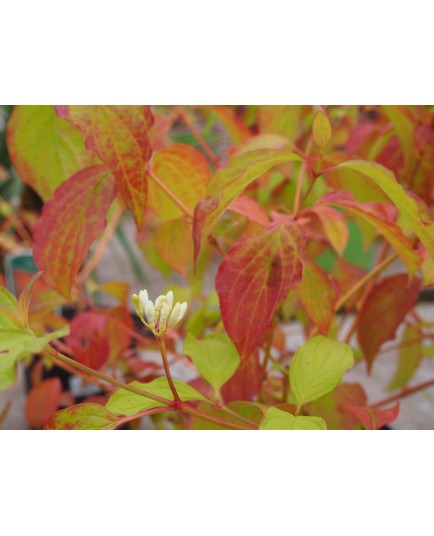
x=82, y=417
x=15, y=345
x=276, y=419
x=215, y=357
x=318, y=367
x=124, y=402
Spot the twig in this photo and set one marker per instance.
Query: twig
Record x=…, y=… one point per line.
x=405, y=392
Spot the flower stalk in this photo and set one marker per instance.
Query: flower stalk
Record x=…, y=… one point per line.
x=160, y=318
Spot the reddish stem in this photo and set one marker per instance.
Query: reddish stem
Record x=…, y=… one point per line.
x=404, y=393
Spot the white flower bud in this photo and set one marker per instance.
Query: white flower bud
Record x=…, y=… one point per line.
x=169, y=299
x=174, y=316
x=150, y=311
x=138, y=306
x=143, y=295
x=182, y=310
x=159, y=301
x=163, y=316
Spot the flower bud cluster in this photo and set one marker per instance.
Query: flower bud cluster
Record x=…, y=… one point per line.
x=162, y=316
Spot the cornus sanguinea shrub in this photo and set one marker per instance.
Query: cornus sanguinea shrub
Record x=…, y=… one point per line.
x=302, y=238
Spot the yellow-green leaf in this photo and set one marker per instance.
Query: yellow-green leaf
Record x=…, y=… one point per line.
x=318, y=367
x=45, y=149
x=410, y=354
x=276, y=419
x=215, y=357
x=382, y=180
x=82, y=417
x=15, y=345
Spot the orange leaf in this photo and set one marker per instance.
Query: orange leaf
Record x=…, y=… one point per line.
x=174, y=244
x=254, y=278
x=250, y=209
x=70, y=222
x=118, y=289
x=185, y=172
x=43, y=401
x=333, y=223
x=384, y=308
x=118, y=135
x=317, y=295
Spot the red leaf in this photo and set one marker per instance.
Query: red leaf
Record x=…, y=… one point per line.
x=333, y=407
x=254, y=278
x=245, y=384
x=43, y=401
x=374, y=418
x=70, y=222
x=250, y=209
x=118, y=135
x=383, y=310
x=317, y=295
x=88, y=339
